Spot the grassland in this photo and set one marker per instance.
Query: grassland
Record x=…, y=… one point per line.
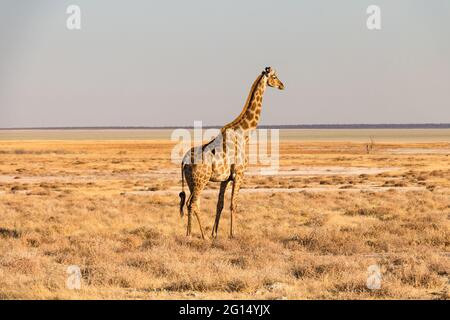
x=108, y=203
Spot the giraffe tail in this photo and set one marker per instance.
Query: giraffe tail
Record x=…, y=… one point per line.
x=182, y=193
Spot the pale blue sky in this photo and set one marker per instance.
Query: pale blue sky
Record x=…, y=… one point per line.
x=159, y=63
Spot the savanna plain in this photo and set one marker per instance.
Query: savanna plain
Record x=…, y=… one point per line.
x=341, y=202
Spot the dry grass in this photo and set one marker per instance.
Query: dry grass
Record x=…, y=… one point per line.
x=72, y=203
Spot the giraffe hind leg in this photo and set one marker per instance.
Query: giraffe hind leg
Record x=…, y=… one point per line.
x=220, y=203
x=190, y=183
x=189, y=222
x=199, y=223
x=194, y=205
x=194, y=208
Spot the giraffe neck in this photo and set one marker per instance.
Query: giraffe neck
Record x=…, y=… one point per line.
x=249, y=117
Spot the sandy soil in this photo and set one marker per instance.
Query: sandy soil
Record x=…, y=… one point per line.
x=309, y=231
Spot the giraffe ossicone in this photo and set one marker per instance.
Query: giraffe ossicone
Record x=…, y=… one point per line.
x=224, y=159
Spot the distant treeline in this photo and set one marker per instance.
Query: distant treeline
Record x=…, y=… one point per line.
x=289, y=126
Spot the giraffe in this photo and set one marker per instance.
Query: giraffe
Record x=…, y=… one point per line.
x=224, y=158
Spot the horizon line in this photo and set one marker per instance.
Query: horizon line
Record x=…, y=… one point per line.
x=274, y=126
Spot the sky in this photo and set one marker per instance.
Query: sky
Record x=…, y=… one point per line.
x=170, y=63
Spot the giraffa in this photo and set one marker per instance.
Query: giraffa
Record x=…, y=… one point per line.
x=224, y=158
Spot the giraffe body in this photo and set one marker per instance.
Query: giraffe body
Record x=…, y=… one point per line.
x=224, y=159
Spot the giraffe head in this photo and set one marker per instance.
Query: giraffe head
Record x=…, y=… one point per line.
x=272, y=79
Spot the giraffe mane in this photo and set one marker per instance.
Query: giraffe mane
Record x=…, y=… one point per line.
x=249, y=98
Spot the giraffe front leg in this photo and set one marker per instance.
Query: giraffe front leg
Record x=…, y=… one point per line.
x=220, y=202
x=234, y=195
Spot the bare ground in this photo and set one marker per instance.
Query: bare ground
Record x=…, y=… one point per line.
x=309, y=232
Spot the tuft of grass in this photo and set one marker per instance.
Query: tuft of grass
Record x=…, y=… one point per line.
x=10, y=233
